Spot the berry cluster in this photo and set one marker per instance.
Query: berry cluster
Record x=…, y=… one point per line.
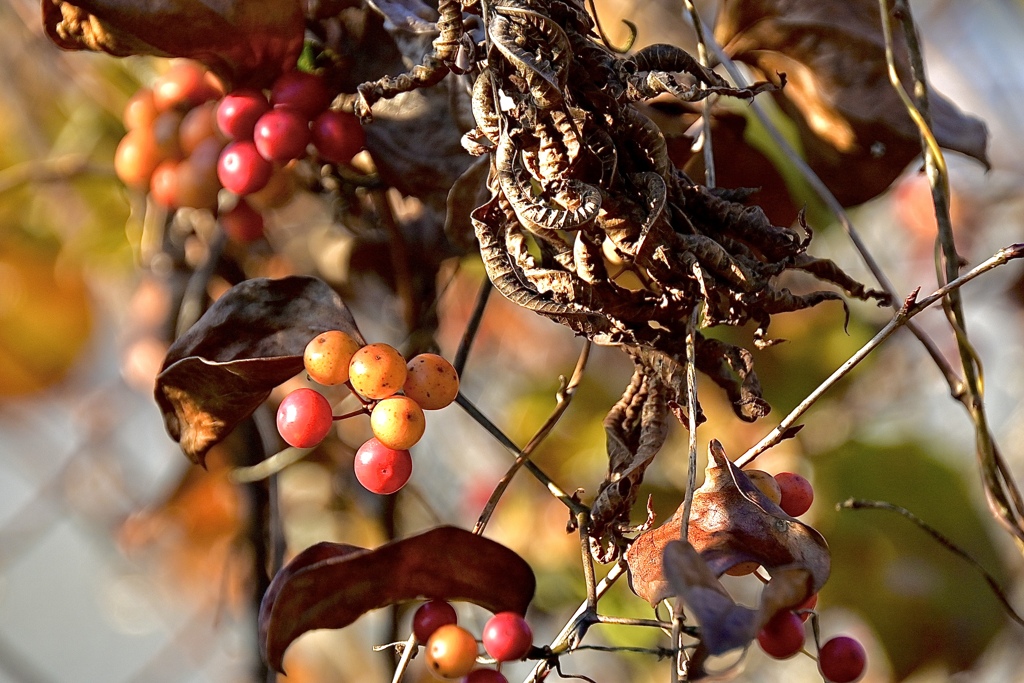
x=187, y=140
x=840, y=660
x=376, y=373
x=452, y=650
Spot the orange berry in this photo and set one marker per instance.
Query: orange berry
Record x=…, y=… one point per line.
x=377, y=371
x=765, y=483
x=431, y=381
x=397, y=422
x=328, y=355
x=451, y=651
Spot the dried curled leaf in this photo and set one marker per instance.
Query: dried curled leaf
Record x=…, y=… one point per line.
x=731, y=522
x=854, y=129
x=245, y=42
x=249, y=341
x=331, y=585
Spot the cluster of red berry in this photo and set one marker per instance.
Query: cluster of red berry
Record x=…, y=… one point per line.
x=376, y=373
x=452, y=650
x=840, y=660
x=187, y=139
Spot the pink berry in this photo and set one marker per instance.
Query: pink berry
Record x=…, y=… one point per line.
x=337, y=136
x=797, y=494
x=241, y=169
x=301, y=91
x=239, y=111
x=380, y=469
x=485, y=676
x=431, y=616
x=783, y=635
x=282, y=134
x=842, y=660
x=507, y=636
x=304, y=418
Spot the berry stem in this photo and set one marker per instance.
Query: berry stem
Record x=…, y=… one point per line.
x=358, y=411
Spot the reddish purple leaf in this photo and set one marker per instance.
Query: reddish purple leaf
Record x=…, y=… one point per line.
x=331, y=585
x=245, y=42
x=247, y=343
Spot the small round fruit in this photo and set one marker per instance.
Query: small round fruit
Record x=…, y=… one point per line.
x=241, y=169
x=382, y=470
x=239, y=111
x=198, y=185
x=197, y=126
x=797, y=493
x=377, y=371
x=242, y=223
x=136, y=158
x=485, y=676
x=431, y=381
x=186, y=84
x=766, y=484
x=282, y=134
x=783, y=635
x=431, y=616
x=140, y=110
x=327, y=357
x=806, y=607
x=398, y=422
x=338, y=136
x=507, y=637
x=304, y=418
x=301, y=91
x=163, y=185
x=842, y=660
x=451, y=651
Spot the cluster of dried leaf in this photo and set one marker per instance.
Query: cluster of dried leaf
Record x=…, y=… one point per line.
x=574, y=177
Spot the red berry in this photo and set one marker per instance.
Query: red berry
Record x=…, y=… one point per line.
x=338, y=136
x=380, y=469
x=186, y=84
x=241, y=169
x=301, y=91
x=431, y=616
x=507, y=636
x=163, y=185
x=783, y=635
x=242, y=223
x=282, y=134
x=485, y=676
x=239, y=111
x=806, y=606
x=842, y=660
x=304, y=418
x=797, y=494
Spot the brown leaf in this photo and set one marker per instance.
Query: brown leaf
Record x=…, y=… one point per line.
x=331, y=585
x=855, y=131
x=732, y=522
x=245, y=42
x=248, y=342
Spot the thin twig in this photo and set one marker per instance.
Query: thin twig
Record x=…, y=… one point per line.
x=399, y=254
x=1003, y=496
x=691, y=409
x=269, y=466
x=462, y=355
x=574, y=506
x=193, y=302
x=403, y=661
x=911, y=307
x=702, y=57
x=566, y=390
x=628, y=621
x=943, y=540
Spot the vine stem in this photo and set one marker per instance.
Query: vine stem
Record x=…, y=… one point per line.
x=574, y=505
x=911, y=307
x=566, y=390
x=1001, y=491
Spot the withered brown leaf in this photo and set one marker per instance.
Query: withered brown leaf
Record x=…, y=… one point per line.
x=249, y=341
x=732, y=522
x=331, y=585
x=855, y=131
x=245, y=42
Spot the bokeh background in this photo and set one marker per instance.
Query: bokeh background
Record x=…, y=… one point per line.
x=119, y=562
